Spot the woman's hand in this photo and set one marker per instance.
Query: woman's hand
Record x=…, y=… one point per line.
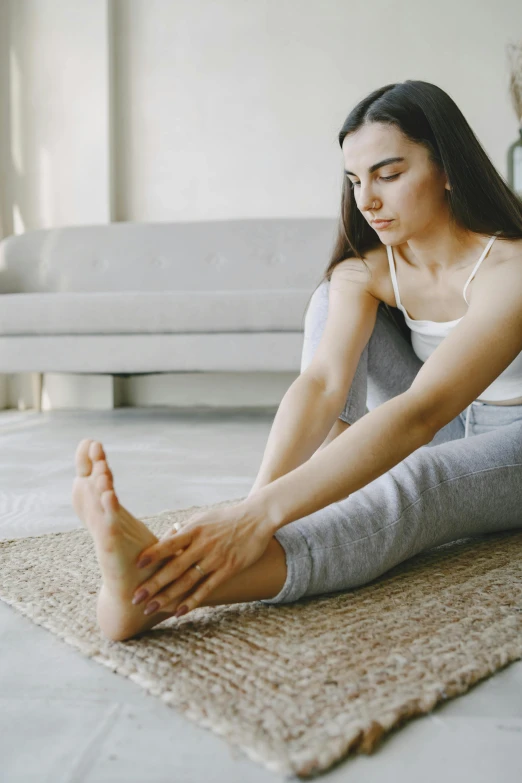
x=222, y=543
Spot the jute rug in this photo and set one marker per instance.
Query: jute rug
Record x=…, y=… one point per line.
x=296, y=687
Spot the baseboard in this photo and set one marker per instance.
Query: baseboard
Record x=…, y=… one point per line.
x=63, y=391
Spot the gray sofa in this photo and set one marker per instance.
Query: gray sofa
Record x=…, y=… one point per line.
x=134, y=298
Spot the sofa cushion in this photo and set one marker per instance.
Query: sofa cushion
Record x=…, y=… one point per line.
x=153, y=353
x=211, y=255
x=168, y=312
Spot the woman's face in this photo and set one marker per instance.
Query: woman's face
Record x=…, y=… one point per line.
x=410, y=192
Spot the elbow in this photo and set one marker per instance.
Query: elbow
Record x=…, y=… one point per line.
x=426, y=419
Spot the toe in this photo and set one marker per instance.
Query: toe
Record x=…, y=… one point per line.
x=82, y=460
x=100, y=468
x=96, y=451
x=103, y=483
x=109, y=502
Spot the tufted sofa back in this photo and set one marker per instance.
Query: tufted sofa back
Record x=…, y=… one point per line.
x=271, y=253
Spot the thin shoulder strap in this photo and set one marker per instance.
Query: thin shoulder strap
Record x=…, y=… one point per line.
x=481, y=259
x=393, y=274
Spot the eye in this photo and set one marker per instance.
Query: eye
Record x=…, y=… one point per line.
x=387, y=179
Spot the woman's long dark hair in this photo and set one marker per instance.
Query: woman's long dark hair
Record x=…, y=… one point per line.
x=479, y=199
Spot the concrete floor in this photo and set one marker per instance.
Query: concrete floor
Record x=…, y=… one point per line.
x=66, y=719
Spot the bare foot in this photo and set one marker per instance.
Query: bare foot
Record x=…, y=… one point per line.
x=118, y=539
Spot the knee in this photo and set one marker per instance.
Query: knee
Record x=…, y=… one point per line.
x=317, y=309
x=314, y=323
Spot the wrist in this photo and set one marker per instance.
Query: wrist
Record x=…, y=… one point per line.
x=262, y=481
x=260, y=503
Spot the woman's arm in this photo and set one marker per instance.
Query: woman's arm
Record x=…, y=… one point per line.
x=304, y=418
x=226, y=541
x=312, y=404
x=485, y=342
x=366, y=450
x=223, y=542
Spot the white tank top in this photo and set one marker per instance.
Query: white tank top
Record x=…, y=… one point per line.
x=427, y=335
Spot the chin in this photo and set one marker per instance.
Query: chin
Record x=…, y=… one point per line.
x=391, y=236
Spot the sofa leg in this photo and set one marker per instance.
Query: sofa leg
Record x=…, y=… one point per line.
x=37, y=383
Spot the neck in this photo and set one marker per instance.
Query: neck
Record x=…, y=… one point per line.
x=442, y=249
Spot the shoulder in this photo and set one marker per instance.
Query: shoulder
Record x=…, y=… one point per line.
x=363, y=276
x=508, y=250
x=367, y=271
x=372, y=271
x=500, y=282
x=505, y=264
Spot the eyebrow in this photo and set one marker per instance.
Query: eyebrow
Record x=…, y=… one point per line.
x=377, y=165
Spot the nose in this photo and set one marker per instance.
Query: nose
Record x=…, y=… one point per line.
x=367, y=199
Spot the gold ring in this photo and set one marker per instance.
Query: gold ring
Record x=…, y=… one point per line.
x=199, y=569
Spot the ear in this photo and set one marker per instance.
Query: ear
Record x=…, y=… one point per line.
x=444, y=178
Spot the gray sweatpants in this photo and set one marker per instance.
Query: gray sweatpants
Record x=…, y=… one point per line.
x=461, y=484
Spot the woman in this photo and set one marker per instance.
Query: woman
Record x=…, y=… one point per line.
x=411, y=380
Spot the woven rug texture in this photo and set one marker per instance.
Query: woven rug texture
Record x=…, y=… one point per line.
x=299, y=686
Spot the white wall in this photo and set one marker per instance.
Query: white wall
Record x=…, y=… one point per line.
x=232, y=109
x=159, y=110
x=55, y=151
x=222, y=110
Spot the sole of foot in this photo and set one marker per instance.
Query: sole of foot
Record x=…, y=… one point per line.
x=119, y=538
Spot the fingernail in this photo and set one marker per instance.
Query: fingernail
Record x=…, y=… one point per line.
x=151, y=608
x=145, y=562
x=181, y=611
x=141, y=595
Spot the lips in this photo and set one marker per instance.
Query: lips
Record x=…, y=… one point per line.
x=380, y=222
